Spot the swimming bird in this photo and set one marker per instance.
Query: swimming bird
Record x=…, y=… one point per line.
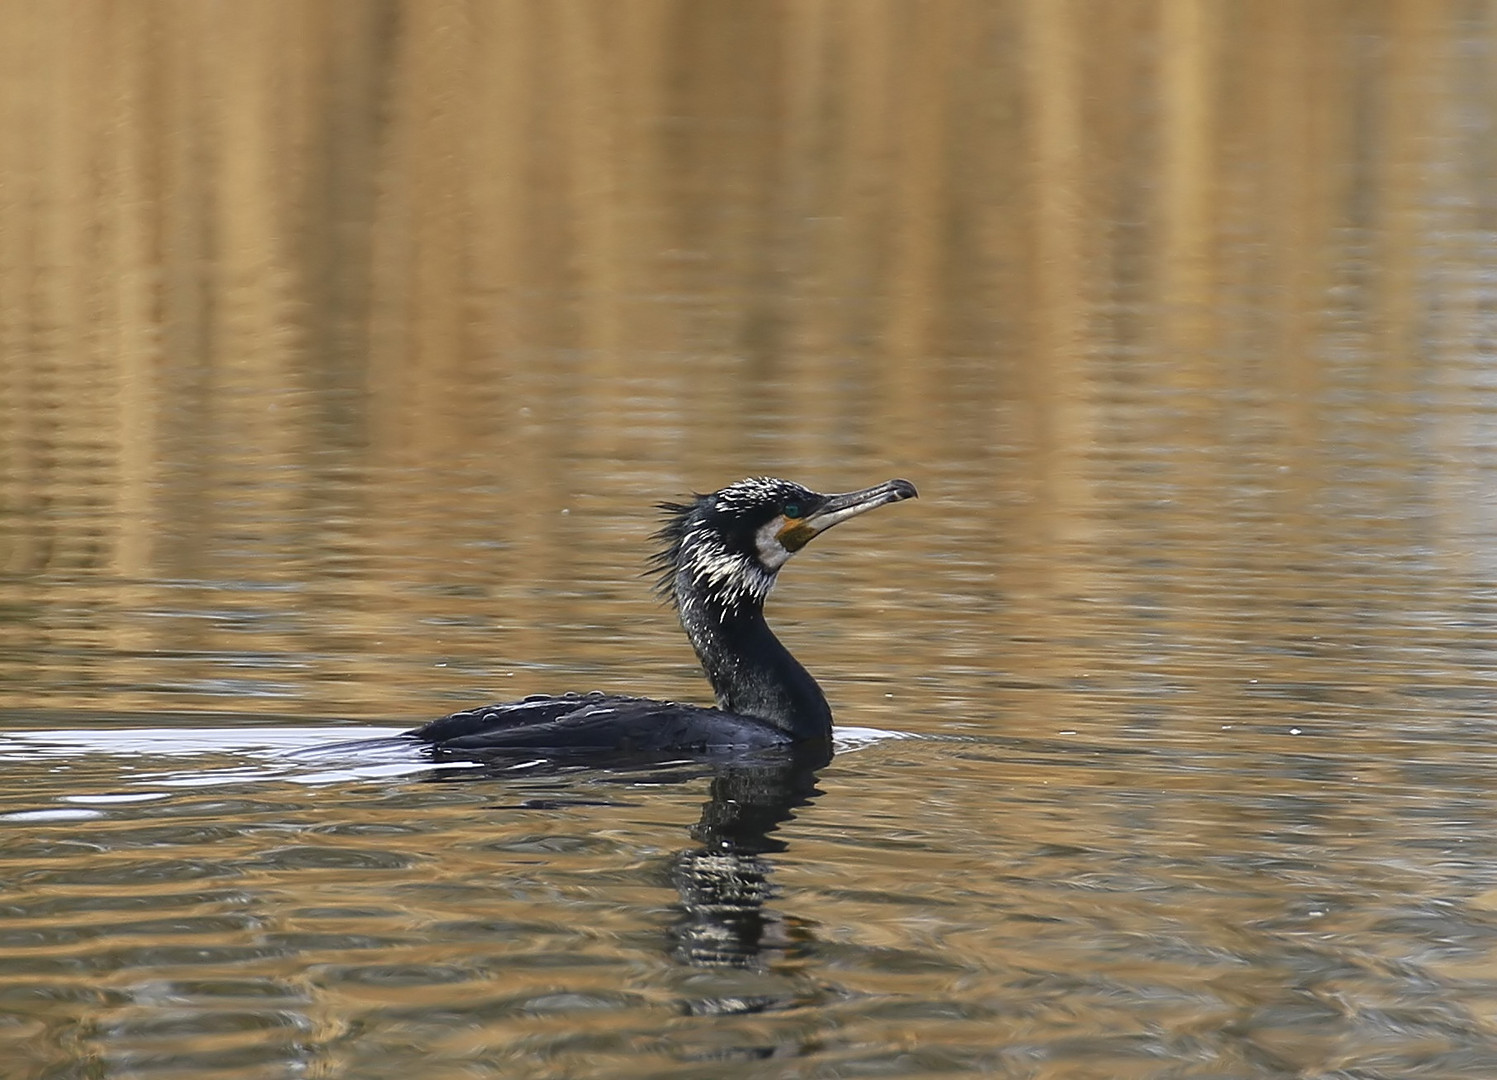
x=720, y=557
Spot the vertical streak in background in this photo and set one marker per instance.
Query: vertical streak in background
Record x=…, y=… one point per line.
x=131, y=326
x=26, y=149
x=860, y=156
x=1052, y=370
x=797, y=222
x=922, y=187
x=1457, y=295
x=419, y=252
x=349, y=52
x=598, y=135
x=1295, y=126
x=1185, y=188
x=1272, y=104
x=1184, y=281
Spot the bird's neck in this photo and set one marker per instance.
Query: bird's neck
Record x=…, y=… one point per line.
x=752, y=674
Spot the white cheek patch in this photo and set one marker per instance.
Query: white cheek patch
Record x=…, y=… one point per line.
x=720, y=577
x=772, y=553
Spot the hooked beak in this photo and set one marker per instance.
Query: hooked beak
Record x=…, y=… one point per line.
x=838, y=508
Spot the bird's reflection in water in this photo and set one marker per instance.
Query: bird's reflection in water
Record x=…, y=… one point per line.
x=724, y=883
x=724, y=921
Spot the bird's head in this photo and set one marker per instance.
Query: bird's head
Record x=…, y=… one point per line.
x=730, y=545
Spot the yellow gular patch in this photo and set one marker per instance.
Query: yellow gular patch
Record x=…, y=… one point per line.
x=793, y=534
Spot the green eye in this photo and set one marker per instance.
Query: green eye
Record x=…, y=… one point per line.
x=792, y=510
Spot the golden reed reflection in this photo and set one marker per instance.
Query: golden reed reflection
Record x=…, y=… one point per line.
x=378, y=285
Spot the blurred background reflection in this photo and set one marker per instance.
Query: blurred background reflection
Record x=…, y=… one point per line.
x=345, y=345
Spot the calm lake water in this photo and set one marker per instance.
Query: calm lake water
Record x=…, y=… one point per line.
x=346, y=347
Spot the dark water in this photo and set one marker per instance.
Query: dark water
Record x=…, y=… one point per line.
x=345, y=347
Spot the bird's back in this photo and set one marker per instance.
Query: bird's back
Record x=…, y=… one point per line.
x=589, y=724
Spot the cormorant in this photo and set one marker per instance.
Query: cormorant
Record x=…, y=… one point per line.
x=721, y=554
